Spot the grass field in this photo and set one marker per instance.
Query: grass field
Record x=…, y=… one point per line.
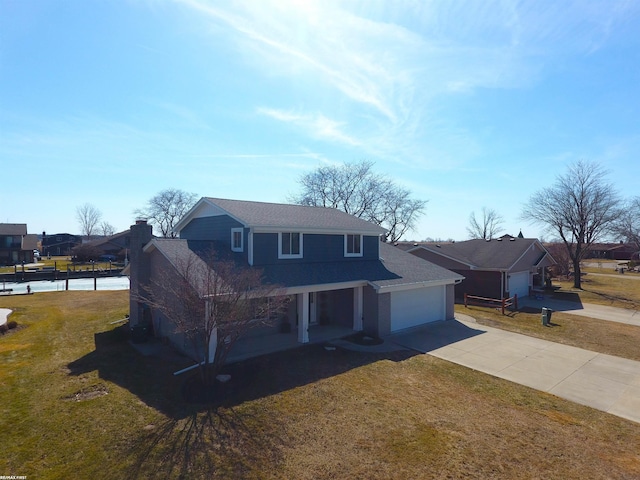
x=597, y=335
x=69, y=409
x=62, y=264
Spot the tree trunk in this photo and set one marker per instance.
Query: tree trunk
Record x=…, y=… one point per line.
x=576, y=275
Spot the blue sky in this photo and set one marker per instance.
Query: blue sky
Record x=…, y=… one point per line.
x=467, y=104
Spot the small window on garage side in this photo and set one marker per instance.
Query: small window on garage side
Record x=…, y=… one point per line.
x=353, y=245
x=237, y=240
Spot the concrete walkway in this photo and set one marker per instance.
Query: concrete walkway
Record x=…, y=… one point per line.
x=601, y=312
x=4, y=314
x=600, y=381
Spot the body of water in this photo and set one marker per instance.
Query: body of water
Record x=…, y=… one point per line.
x=105, y=283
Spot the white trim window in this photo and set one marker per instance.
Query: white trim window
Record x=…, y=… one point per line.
x=353, y=245
x=289, y=245
x=237, y=239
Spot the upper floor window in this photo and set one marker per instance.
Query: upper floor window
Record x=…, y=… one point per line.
x=290, y=245
x=353, y=245
x=237, y=240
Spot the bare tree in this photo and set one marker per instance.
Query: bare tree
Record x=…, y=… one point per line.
x=166, y=209
x=88, y=217
x=356, y=189
x=627, y=226
x=213, y=302
x=559, y=252
x=580, y=207
x=106, y=229
x=487, y=227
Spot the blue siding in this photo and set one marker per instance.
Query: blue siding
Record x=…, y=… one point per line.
x=316, y=248
x=216, y=229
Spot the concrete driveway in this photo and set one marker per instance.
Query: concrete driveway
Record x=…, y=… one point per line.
x=600, y=381
x=601, y=312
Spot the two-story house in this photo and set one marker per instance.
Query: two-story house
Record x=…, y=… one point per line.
x=16, y=245
x=339, y=275
x=59, y=243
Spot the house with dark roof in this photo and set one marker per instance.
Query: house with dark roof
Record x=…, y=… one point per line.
x=613, y=251
x=59, y=243
x=16, y=245
x=115, y=246
x=497, y=268
x=338, y=274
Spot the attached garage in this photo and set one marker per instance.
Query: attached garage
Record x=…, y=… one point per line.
x=410, y=308
x=519, y=284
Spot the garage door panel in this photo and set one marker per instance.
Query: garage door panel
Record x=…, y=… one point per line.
x=410, y=308
x=519, y=284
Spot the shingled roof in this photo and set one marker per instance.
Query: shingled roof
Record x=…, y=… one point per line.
x=496, y=254
x=279, y=216
x=394, y=269
x=13, y=229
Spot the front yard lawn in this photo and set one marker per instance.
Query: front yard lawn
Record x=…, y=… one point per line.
x=69, y=410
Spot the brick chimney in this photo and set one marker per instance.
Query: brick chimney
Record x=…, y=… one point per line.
x=139, y=269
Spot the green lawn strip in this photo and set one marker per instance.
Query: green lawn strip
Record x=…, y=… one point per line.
x=308, y=413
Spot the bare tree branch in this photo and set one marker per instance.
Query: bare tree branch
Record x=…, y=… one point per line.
x=357, y=190
x=166, y=209
x=213, y=303
x=488, y=227
x=627, y=226
x=106, y=229
x=88, y=217
x=580, y=207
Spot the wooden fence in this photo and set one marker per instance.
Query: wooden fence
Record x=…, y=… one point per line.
x=503, y=303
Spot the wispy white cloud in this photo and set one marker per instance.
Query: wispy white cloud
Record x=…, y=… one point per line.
x=316, y=125
x=384, y=68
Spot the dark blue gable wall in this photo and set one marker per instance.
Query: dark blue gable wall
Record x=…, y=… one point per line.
x=316, y=248
x=216, y=228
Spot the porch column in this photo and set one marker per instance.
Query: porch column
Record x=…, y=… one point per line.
x=357, y=309
x=303, y=317
x=213, y=345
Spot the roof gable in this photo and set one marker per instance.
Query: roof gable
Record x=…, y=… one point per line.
x=277, y=217
x=496, y=254
x=13, y=228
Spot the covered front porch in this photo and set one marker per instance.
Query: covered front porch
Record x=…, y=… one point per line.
x=313, y=316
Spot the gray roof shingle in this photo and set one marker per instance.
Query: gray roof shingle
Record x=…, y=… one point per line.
x=395, y=268
x=13, y=228
x=483, y=254
x=278, y=215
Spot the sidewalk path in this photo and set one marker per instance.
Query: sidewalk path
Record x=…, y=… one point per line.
x=4, y=314
x=600, y=381
x=601, y=312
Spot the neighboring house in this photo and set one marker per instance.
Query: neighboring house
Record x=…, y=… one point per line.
x=16, y=246
x=498, y=268
x=59, y=243
x=613, y=251
x=340, y=277
x=116, y=245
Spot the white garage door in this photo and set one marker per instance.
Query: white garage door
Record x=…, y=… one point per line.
x=415, y=307
x=519, y=283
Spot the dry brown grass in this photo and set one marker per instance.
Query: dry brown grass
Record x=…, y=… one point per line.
x=621, y=291
x=308, y=413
